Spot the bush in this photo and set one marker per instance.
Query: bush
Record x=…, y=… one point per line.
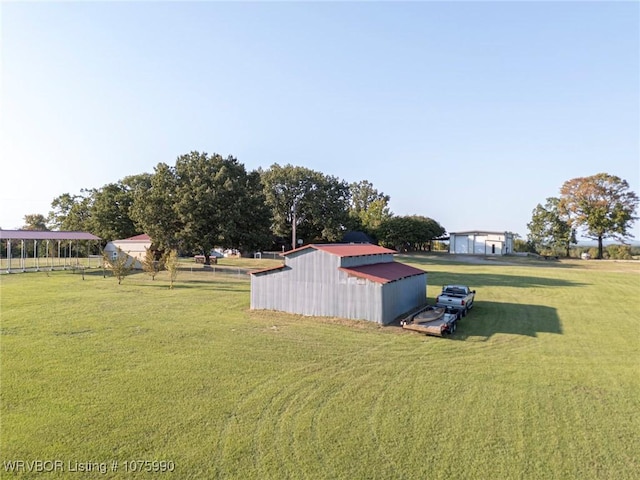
x=171, y=265
x=619, y=252
x=120, y=266
x=150, y=265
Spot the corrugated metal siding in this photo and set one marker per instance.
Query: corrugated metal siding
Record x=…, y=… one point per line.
x=315, y=286
x=404, y=295
x=383, y=272
x=365, y=260
x=311, y=284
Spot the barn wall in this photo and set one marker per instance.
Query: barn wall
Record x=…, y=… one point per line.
x=311, y=284
x=360, y=260
x=301, y=287
x=403, y=295
x=357, y=299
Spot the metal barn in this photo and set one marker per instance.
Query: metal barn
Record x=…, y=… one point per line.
x=355, y=281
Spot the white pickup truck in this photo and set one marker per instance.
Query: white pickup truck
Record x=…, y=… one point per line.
x=457, y=297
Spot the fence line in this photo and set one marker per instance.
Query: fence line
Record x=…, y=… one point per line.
x=48, y=264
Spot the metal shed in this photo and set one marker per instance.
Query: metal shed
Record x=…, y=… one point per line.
x=355, y=281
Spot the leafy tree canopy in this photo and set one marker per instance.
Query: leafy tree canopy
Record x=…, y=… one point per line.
x=35, y=221
x=549, y=229
x=71, y=212
x=203, y=202
x=601, y=205
x=153, y=208
x=409, y=232
x=368, y=208
x=314, y=203
x=105, y=211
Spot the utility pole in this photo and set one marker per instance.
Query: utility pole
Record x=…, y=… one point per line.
x=293, y=225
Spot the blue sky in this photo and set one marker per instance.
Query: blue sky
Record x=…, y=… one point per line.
x=470, y=113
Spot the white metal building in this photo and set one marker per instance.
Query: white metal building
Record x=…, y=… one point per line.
x=481, y=243
x=355, y=281
x=134, y=247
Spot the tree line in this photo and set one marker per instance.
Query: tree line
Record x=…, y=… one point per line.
x=206, y=201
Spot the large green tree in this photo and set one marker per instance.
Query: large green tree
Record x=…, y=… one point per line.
x=601, y=205
x=105, y=211
x=549, y=229
x=219, y=203
x=109, y=214
x=153, y=208
x=409, y=233
x=203, y=202
x=71, y=212
x=306, y=204
x=250, y=228
x=35, y=221
x=368, y=208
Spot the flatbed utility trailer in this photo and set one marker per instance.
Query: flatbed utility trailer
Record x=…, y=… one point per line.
x=436, y=321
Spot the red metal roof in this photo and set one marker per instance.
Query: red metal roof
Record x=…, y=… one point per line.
x=45, y=235
x=383, y=272
x=140, y=238
x=345, y=249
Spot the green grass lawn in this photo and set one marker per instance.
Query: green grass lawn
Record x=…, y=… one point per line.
x=541, y=380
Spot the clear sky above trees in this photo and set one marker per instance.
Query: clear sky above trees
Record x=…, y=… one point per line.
x=470, y=113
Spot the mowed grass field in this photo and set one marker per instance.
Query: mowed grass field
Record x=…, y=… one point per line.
x=541, y=380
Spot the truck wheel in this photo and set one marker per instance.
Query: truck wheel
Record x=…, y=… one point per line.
x=464, y=312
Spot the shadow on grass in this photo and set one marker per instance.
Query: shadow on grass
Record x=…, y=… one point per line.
x=488, y=318
x=475, y=280
x=450, y=259
x=212, y=285
x=213, y=269
x=203, y=285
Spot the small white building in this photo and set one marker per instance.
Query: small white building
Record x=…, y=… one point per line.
x=481, y=243
x=135, y=247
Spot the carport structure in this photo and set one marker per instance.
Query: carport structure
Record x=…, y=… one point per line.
x=64, y=255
